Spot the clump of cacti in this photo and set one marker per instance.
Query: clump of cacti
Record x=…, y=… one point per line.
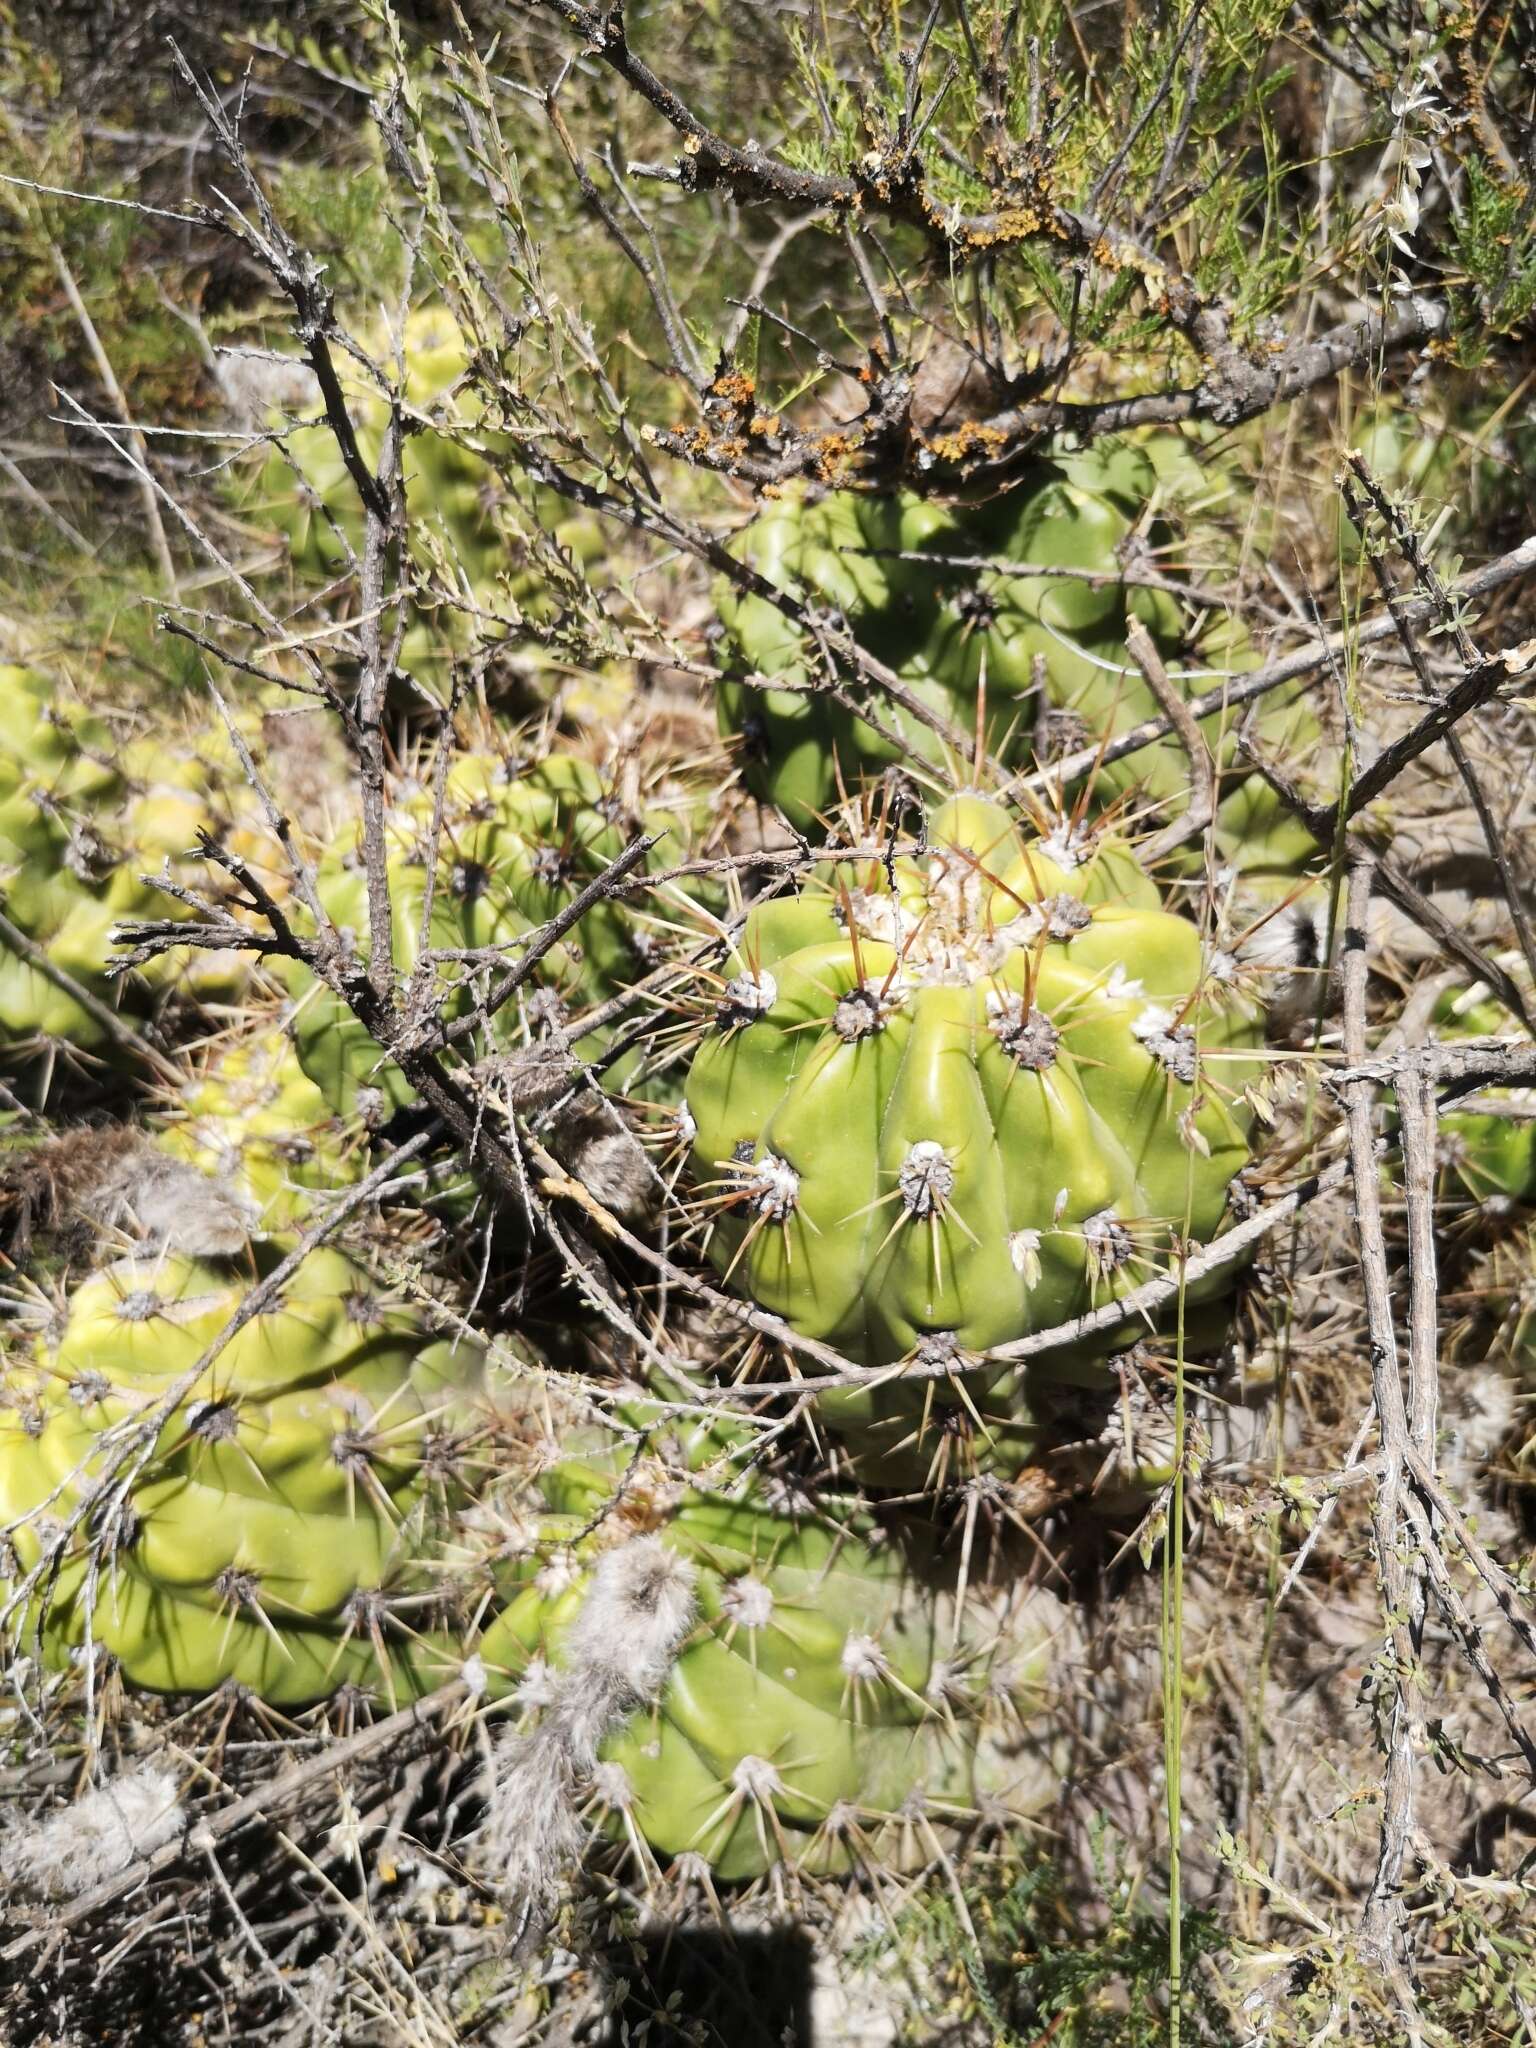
x=85, y=815
x=264, y=1521
x=1027, y=654
x=520, y=842
x=829, y=1698
x=251, y=1119
x=930, y=1118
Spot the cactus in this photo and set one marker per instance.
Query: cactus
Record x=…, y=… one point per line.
x=947, y=634
x=928, y=1123
x=453, y=493
x=252, y=1119
x=265, y=1529
x=82, y=816
x=519, y=844
x=827, y=1697
x=1489, y=1156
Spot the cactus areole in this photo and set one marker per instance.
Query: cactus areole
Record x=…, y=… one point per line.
x=934, y=1117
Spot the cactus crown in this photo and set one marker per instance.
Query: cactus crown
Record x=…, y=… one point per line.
x=963, y=1093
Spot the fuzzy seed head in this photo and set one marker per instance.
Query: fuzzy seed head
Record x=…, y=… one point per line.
x=1027, y=1035
x=558, y=1576
x=96, y=1838
x=611, y=1787
x=1024, y=1252
x=926, y=1179
x=537, y=1687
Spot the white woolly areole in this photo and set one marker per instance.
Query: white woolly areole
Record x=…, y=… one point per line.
x=867, y=1008
x=946, y=1682
x=863, y=1658
x=758, y=1778
x=1155, y=1021
x=1122, y=987
x=687, y=1124
x=1170, y=1043
x=747, y=1602
x=949, y=943
x=474, y=1676
x=100, y=1836
x=748, y=996
x=1026, y=1034
x=1062, y=917
x=1068, y=844
x=926, y=1178
x=1108, y=1242
x=775, y=1185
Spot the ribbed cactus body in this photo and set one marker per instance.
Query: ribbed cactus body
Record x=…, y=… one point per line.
x=929, y=1122
x=1490, y=1156
x=518, y=846
x=253, y=1120
x=83, y=816
x=824, y=1701
x=266, y=1529
x=1046, y=651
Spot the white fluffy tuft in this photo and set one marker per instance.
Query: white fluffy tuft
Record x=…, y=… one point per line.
x=617, y=1654
x=100, y=1836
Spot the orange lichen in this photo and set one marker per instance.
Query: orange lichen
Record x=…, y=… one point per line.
x=735, y=387
x=1012, y=224
x=971, y=438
